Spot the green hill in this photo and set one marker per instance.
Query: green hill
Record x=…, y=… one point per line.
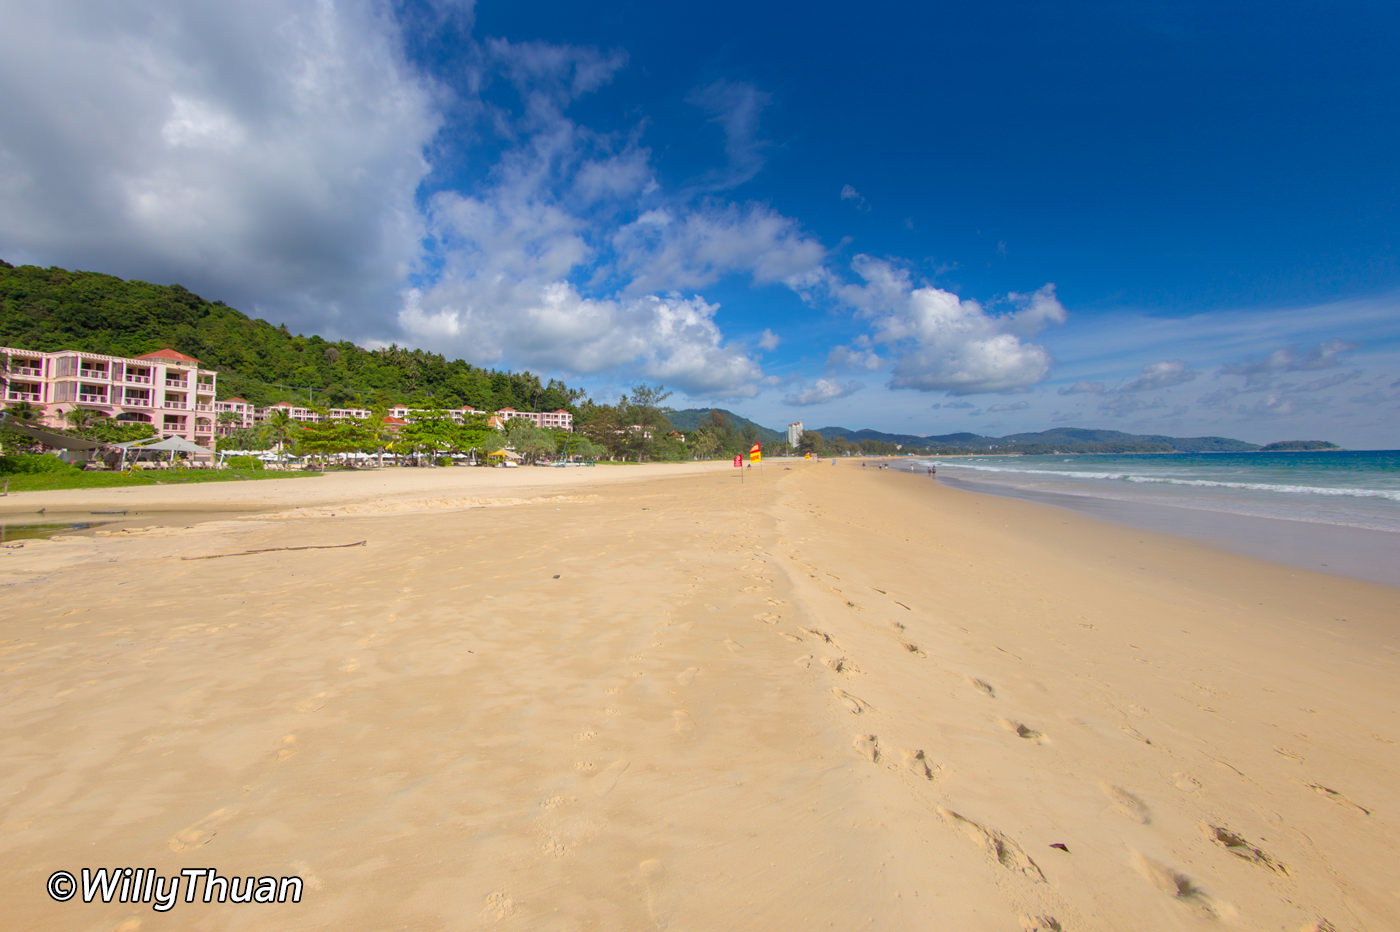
x=689, y=419
x=54, y=309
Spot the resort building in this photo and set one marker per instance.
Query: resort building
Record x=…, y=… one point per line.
x=795, y=432
x=165, y=389
x=169, y=391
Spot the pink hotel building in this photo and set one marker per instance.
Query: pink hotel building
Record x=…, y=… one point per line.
x=165, y=389
x=169, y=391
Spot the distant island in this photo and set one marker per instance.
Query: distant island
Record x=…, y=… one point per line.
x=1298, y=446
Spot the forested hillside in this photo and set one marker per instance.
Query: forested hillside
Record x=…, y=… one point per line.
x=55, y=309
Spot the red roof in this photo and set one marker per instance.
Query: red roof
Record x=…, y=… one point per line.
x=390, y=419
x=240, y=400
x=282, y=404
x=167, y=354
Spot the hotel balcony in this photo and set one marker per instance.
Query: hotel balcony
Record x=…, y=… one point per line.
x=136, y=402
x=93, y=373
x=137, y=379
x=14, y=394
x=91, y=399
x=26, y=370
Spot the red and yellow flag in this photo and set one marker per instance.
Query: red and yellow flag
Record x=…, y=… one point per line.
x=755, y=454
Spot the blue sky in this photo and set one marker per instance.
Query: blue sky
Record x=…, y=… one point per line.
x=923, y=218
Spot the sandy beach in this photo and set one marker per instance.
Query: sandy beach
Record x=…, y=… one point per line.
x=660, y=697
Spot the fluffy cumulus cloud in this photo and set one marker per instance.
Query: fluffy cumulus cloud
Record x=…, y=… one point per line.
x=250, y=150
x=673, y=249
x=940, y=342
x=822, y=391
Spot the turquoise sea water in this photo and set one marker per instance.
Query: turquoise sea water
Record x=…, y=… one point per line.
x=1338, y=510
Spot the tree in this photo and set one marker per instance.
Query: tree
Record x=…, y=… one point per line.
x=529, y=441
x=644, y=419
x=281, y=430
x=430, y=431
x=80, y=419
x=24, y=411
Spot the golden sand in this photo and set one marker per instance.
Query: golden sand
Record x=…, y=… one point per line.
x=662, y=698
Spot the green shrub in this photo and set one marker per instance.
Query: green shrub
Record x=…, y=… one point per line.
x=245, y=462
x=27, y=463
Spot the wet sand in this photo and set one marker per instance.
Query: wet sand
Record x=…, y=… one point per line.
x=657, y=697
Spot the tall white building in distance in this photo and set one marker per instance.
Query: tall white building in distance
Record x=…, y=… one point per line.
x=794, y=434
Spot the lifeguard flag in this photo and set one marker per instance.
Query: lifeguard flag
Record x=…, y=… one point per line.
x=755, y=454
x=809, y=456
x=738, y=460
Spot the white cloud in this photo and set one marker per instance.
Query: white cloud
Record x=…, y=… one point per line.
x=822, y=391
x=661, y=250
x=1083, y=387
x=246, y=150
x=849, y=193
x=1160, y=375
x=735, y=106
x=768, y=340
x=940, y=342
x=1259, y=372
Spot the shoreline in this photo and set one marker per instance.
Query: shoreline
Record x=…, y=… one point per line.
x=1353, y=552
x=664, y=697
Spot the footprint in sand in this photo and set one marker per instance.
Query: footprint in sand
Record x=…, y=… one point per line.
x=498, y=906
x=1040, y=924
x=1185, y=782
x=791, y=637
x=604, y=782
x=1127, y=804
x=840, y=665
x=1177, y=885
x=983, y=686
x=1006, y=852
x=854, y=704
x=1136, y=735
x=288, y=747
x=1240, y=848
x=913, y=648
x=732, y=645
x=768, y=618
x=350, y=665
x=915, y=762
x=687, y=676
x=1336, y=796
x=681, y=722
x=868, y=747
x=1023, y=731
x=200, y=833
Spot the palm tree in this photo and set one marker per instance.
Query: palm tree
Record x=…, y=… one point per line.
x=24, y=411
x=80, y=419
x=280, y=429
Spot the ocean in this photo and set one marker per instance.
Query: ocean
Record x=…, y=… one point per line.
x=1337, y=512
